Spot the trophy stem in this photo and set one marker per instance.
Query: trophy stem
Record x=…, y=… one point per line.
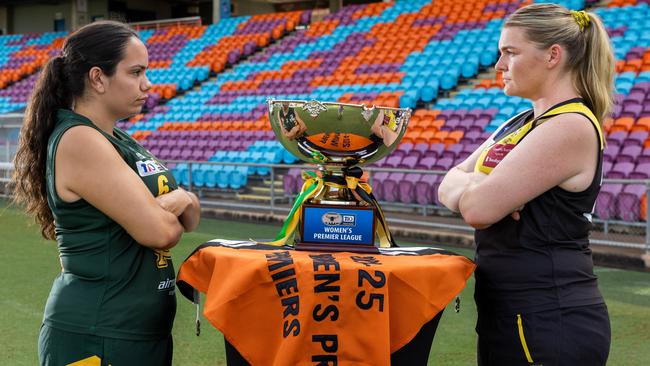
x=335, y=190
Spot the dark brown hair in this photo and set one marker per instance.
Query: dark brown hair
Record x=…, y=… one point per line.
x=63, y=79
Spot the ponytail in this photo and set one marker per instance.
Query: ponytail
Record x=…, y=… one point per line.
x=594, y=76
x=49, y=94
x=584, y=39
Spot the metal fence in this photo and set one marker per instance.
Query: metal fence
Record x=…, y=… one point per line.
x=9, y=129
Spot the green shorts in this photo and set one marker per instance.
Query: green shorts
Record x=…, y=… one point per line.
x=58, y=348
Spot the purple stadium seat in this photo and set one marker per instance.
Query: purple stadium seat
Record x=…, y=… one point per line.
x=398, y=152
x=631, y=109
x=641, y=87
x=474, y=112
x=408, y=162
x=610, y=153
x=467, y=151
x=426, y=163
x=424, y=193
x=435, y=151
x=629, y=153
x=636, y=138
x=490, y=113
x=616, y=138
x=422, y=148
x=641, y=171
x=443, y=164
x=605, y=202
x=452, y=151
x=199, y=155
x=379, y=163
x=480, y=124
x=621, y=170
x=378, y=180
x=472, y=137
x=635, y=96
x=392, y=161
x=628, y=202
x=175, y=153
x=186, y=154
x=164, y=153
x=407, y=187
x=406, y=147
x=471, y=148
x=402, y=150
x=391, y=186
x=607, y=167
x=291, y=181
x=417, y=154
x=458, y=160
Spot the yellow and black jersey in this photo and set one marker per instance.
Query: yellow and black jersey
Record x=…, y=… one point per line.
x=515, y=129
x=542, y=261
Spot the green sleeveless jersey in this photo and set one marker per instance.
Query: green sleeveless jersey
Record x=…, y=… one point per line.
x=109, y=284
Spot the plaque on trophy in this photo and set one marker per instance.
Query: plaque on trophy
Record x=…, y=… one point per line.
x=335, y=210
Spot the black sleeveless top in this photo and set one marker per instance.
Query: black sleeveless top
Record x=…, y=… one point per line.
x=543, y=261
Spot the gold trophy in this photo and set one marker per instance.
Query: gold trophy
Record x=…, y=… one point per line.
x=335, y=210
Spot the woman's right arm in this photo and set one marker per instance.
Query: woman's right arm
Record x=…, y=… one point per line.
x=88, y=166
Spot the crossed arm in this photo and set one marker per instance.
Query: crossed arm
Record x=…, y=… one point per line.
x=184, y=205
x=88, y=167
x=560, y=152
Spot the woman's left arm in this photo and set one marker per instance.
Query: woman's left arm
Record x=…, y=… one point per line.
x=561, y=151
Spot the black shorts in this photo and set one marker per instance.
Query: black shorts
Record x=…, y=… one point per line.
x=561, y=337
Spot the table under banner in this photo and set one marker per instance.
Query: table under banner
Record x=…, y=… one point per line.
x=279, y=306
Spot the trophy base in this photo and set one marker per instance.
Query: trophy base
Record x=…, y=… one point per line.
x=355, y=248
x=337, y=228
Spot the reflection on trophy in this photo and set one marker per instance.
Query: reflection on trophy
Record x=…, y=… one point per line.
x=335, y=210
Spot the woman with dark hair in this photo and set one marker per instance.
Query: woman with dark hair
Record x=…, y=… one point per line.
x=530, y=190
x=114, y=210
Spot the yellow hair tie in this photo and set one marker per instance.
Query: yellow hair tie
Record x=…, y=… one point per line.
x=582, y=18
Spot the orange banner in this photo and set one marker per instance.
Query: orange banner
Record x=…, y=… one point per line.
x=278, y=306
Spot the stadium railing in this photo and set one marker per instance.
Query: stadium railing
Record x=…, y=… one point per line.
x=157, y=24
x=280, y=202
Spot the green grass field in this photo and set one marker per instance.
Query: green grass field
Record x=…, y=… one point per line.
x=29, y=264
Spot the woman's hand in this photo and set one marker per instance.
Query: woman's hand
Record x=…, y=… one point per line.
x=516, y=214
x=175, y=201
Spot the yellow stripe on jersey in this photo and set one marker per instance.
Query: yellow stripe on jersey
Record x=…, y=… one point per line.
x=493, y=154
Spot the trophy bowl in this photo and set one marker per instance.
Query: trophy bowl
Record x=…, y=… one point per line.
x=336, y=210
x=337, y=134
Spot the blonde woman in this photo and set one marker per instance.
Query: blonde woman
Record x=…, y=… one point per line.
x=530, y=189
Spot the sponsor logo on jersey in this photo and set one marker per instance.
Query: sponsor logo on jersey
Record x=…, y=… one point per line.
x=149, y=167
x=497, y=153
x=167, y=284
